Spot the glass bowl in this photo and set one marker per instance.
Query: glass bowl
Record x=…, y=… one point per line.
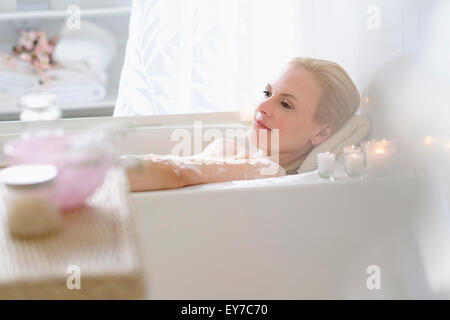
x=82, y=164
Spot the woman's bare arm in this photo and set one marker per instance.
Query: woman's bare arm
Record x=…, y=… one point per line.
x=156, y=172
x=197, y=171
x=222, y=160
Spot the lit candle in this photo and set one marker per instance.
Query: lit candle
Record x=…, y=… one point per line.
x=428, y=140
x=380, y=156
x=325, y=164
x=353, y=161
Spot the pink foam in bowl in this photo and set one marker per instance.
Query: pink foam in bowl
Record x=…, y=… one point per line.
x=78, y=176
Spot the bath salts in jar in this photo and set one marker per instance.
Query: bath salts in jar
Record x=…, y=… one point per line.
x=29, y=202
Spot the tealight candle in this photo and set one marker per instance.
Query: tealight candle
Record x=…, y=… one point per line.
x=325, y=164
x=353, y=161
x=380, y=156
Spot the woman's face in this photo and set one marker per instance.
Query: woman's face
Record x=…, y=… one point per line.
x=288, y=104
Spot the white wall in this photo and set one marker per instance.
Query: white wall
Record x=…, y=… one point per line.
x=402, y=70
x=410, y=102
x=361, y=35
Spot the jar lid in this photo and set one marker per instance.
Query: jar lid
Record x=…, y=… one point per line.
x=22, y=176
x=37, y=100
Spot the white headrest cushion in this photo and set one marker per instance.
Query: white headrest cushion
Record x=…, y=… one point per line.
x=352, y=132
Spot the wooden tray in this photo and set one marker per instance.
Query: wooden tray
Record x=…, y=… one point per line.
x=99, y=240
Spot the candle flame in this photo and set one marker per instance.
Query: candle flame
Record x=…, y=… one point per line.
x=427, y=140
x=383, y=141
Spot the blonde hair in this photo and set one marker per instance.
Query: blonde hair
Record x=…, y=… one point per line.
x=340, y=99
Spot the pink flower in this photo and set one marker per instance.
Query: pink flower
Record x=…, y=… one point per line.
x=38, y=67
x=27, y=39
x=41, y=64
x=8, y=61
x=44, y=44
x=36, y=48
x=25, y=56
x=47, y=49
x=43, y=58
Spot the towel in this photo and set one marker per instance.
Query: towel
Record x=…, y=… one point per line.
x=91, y=48
x=77, y=95
x=70, y=86
x=73, y=87
x=18, y=78
x=82, y=56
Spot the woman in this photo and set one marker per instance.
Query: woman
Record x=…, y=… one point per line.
x=309, y=101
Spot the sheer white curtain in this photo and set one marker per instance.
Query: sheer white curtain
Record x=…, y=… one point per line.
x=201, y=55
x=187, y=56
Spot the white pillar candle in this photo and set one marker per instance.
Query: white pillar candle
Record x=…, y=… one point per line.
x=380, y=156
x=353, y=161
x=325, y=164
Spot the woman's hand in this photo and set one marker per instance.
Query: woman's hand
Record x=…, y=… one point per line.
x=154, y=172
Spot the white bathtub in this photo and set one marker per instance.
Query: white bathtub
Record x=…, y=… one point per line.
x=276, y=238
x=292, y=238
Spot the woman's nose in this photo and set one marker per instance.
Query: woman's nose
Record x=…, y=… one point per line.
x=266, y=108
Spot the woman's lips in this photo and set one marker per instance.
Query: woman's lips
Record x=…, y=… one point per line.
x=260, y=125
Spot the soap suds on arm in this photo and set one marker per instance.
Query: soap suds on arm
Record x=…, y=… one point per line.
x=198, y=171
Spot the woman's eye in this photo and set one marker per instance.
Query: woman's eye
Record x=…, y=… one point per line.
x=266, y=93
x=286, y=105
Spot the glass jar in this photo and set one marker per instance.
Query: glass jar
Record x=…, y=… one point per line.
x=29, y=200
x=41, y=114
